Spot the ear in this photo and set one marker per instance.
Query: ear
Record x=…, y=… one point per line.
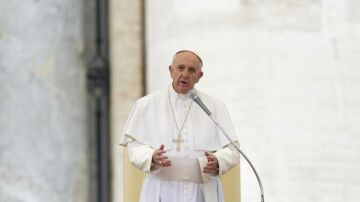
x=171, y=71
x=201, y=74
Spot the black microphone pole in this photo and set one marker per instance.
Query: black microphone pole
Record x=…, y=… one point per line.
x=197, y=99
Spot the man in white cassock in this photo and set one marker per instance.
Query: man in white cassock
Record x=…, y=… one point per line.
x=172, y=140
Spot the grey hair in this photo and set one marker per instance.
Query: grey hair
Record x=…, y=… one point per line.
x=198, y=57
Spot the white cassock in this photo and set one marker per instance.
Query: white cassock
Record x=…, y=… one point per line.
x=151, y=123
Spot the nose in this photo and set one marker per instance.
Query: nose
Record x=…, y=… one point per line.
x=185, y=74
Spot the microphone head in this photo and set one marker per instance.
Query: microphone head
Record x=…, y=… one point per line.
x=193, y=95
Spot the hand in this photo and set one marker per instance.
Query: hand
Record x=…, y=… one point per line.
x=159, y=159
x=212, y=166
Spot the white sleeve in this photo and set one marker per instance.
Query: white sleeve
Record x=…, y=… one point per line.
x=140, y=156
x=228, y=157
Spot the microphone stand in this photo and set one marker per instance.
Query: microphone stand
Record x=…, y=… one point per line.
x=246, y=158
x=197, y=99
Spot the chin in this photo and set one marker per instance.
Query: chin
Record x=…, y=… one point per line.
x=183, y=91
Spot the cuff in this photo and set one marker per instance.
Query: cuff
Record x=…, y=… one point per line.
x=227, y=159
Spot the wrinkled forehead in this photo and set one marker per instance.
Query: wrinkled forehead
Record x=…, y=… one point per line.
x=191, y=52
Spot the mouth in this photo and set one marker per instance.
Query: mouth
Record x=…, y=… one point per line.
x=183, y=82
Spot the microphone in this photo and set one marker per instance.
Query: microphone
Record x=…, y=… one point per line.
x=197, y=99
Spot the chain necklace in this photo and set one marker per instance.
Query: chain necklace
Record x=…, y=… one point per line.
x=178, y=141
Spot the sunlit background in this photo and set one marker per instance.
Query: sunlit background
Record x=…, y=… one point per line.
x=289, y=73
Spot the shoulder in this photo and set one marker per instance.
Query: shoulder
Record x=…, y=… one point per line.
x=215, y=105
x=209, y=99
x=151, y=98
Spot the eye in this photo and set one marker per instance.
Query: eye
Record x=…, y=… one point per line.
x=180, y=68
x=192, y=70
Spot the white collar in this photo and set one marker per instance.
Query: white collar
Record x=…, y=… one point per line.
x=178, y=96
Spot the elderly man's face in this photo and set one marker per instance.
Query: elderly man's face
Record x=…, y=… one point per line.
x=185, y=72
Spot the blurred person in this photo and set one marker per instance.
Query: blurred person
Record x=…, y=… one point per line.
x=172, y=140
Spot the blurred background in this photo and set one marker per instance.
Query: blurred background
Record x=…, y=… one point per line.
x=288, y=71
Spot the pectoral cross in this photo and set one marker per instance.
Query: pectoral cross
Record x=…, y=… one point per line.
x=178, y=141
